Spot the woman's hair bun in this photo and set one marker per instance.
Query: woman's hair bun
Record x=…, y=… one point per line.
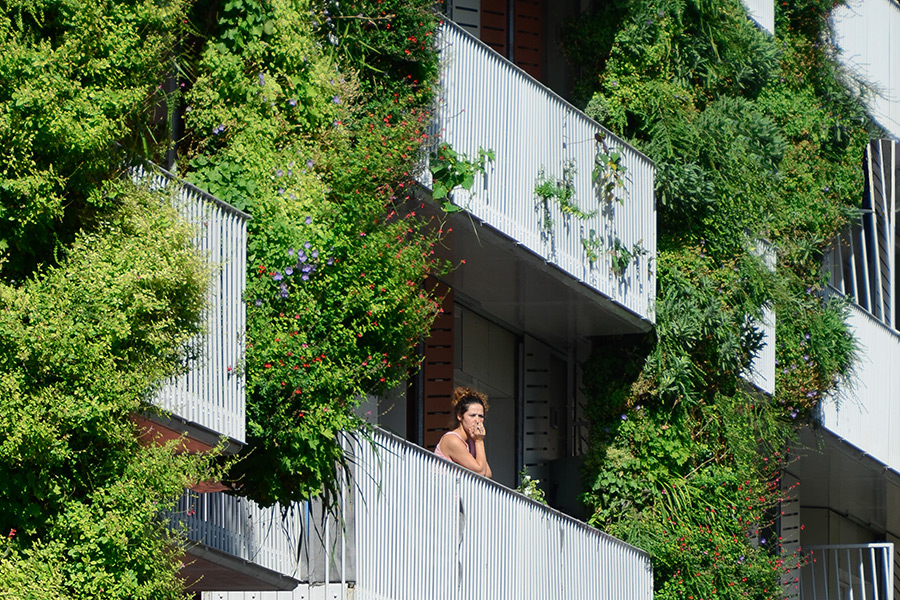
x=468, y=395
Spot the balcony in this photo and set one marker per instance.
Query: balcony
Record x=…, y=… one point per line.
x=208, y=401
x=865, y=410
x=416, y=526
x=868, y=34
x=854, y=571
x=540, y=277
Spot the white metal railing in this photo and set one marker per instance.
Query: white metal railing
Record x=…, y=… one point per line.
x=488, y=102
x=763, y=13
x=849, y=571
x=861, y=262
x=417, y=526
x=864, y=409
x=868, y=34
x=426, y=528
x=211, y=394
x=241, y=528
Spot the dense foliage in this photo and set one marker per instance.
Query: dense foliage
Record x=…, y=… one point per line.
x=312, y=117
x=753, y=138
x=99, y=289
x=309, y=115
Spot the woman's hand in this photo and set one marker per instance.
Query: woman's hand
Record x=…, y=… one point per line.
x=477, y=433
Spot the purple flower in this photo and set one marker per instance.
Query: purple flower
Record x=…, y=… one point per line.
x=762, y=541
x=290, y=251
x=315, y=254
x=301, y=257
x=304, y=277
x=336, y=99
x=258, y=302
x=624, y=417
x=289, y=271
x=794, y=414
x=308, y=220
x=309, y=163
x=277, y=276
x=262, y=79
x=329, y=262
x=307, y=245
x=279, y=173
x=292, y=102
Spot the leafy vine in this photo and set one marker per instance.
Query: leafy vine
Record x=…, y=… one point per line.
x=451, y=170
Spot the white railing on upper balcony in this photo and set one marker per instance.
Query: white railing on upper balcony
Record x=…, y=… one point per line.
x=417, y=526
x=854, y=571
x=488, y=102
x=868, y=34
x=211, y=393
x=864, y=409
x=861, y=262
x=762, y=12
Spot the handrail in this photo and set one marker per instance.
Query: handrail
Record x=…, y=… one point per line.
x=841, y=571
x=456, y=534
x=488, y=102
x=408, y=524
x=211, y=393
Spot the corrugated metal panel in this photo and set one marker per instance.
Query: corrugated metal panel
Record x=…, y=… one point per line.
x=241, y=528
x=762, y=12
x=429, y=529
x=868, y=34
x=864, y=571
x=862, y=259
x=490, y=103
x=789, y=534
x=762, y=369
x=864, y=410
x=426, y=528
x=211, y=394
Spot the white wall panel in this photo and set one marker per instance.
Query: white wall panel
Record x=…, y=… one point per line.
x=868, y=34
x=865, y=409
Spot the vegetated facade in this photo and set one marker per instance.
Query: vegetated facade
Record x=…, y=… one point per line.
x=535, y=277
x=556, y=259
x=280, y=114
x=814, y=492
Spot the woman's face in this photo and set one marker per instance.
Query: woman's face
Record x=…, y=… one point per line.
x=472, y=417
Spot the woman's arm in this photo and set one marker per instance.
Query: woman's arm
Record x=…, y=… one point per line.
x=458, y=452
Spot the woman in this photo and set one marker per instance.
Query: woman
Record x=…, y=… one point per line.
x=464, y=445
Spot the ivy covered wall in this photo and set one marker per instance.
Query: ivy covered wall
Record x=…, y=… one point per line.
x=754, y=137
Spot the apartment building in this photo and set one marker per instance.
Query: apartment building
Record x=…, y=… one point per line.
x=521, y=311
x=528, y=295
x=845, y=512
